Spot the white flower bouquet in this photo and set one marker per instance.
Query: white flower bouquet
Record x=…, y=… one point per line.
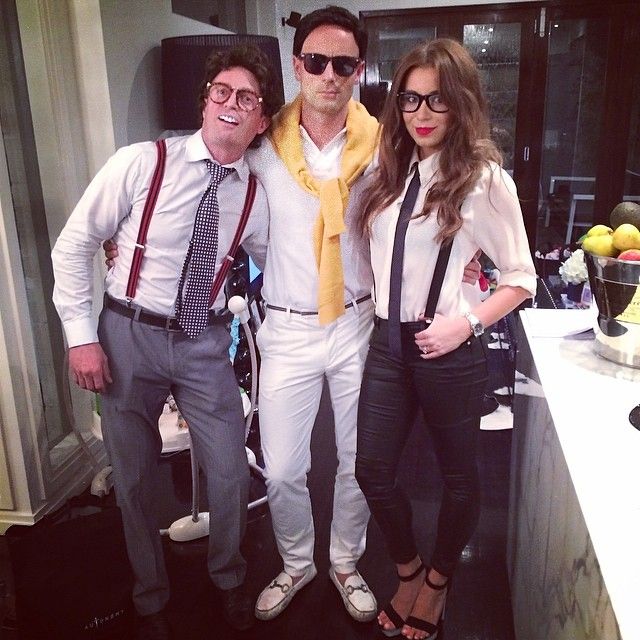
x=574, y=269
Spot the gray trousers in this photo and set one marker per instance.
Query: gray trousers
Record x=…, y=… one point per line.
x=148, y=363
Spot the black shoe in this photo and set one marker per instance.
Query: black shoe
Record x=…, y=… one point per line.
x=153, y=627
x=237, y=608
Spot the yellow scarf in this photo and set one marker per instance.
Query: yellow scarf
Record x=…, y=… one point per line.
x=362, y=130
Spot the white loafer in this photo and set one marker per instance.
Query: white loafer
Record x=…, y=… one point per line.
x=275, y=597
x=357, y=597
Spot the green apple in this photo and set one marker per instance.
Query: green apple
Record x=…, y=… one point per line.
x=600, y=245
x=626, y=236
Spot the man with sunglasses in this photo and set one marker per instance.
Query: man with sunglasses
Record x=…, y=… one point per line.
x=317, y=288
x=163, y=336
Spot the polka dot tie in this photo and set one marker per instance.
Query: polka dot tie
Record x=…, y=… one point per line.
x=200, y=263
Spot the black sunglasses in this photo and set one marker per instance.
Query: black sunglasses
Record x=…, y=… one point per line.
x=316, y=63
x=410, y=101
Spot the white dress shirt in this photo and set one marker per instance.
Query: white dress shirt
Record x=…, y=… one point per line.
x=291, y=273
x=491, y=221
x=323, y=164
x=112, y=206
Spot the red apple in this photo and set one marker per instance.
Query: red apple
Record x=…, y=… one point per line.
x=630, y=254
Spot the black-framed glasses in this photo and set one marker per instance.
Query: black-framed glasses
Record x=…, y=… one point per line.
x=410, y=101
x=316, y=63
x=220, y=92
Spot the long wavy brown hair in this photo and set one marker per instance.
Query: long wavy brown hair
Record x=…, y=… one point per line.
x=465, y=150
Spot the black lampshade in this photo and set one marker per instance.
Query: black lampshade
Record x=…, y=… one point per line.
x=183, y=63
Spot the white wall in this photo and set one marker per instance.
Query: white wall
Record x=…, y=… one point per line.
x=132, y=32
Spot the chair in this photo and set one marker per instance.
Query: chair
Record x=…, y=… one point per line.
x=562, y=202
x=586, y=210
x=557, y=203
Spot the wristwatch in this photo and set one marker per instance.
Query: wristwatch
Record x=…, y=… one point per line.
x=477, y=328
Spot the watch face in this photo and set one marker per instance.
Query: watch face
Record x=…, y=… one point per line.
x=476, y=326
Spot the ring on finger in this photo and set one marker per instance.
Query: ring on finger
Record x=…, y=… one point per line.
x=424, y=350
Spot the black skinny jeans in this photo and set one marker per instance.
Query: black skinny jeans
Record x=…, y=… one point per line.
x=449, y=390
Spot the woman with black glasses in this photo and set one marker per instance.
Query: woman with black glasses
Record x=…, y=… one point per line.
x=438, y=195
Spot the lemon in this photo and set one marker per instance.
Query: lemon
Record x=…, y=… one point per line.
x=600, y=245
x=599, y=230
x=626, y=236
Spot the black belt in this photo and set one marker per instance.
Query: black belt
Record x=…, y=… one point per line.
x=409, y=327
x=147, y=317
x=315, y=313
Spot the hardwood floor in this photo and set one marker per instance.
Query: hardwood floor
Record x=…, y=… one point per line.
x=478, y=608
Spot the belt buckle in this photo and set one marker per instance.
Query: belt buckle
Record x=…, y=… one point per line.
x=168, y=322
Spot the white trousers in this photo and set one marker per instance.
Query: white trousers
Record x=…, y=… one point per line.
x=296, y=356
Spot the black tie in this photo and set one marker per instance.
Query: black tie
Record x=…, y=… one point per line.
x=397, y=260
x=200, y=262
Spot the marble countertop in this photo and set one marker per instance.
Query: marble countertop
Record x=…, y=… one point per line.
x=590, y=399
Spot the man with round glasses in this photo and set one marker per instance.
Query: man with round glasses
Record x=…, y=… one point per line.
x=144, y=347
x=246, y=99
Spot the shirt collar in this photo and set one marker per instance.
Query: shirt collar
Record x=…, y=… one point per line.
x=339, y=138
x=196, y=151
x=426, y=167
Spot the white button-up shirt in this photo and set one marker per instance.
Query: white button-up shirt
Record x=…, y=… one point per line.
x=291, y=274
x=491, y=221
x=112, y=206
x=323, y=164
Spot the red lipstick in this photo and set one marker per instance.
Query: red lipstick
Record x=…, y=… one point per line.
x=424, y=131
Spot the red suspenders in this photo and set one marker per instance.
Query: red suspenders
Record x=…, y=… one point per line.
x=149, y=206
x=242, y=223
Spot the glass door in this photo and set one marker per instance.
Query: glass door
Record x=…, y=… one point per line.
x=392, y=39
x=563, y=84
x=501, y=43
x=496, y=49
x=574, y=107
x=589, y=156
x=632, y=169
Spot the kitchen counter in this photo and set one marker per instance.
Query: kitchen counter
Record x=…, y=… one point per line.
x=575, y=489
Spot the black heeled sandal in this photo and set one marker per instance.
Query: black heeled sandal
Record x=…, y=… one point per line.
x=424, y=625
x=391, y=613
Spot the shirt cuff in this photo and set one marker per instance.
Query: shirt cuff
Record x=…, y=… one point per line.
x=80, y=331
x=525, y=281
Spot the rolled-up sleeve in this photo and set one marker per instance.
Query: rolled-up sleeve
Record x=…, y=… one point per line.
x=498, y=228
